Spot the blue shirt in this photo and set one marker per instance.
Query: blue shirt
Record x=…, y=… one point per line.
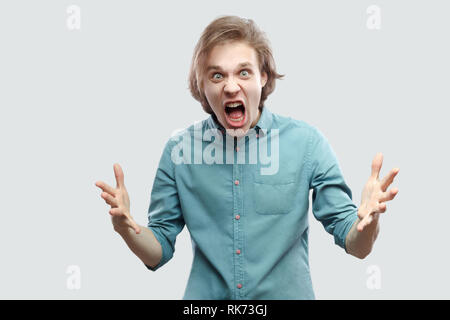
x=248, y=220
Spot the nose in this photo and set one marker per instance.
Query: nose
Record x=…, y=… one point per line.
x=231, y=86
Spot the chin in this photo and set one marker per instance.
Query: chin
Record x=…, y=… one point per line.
x=237, y=132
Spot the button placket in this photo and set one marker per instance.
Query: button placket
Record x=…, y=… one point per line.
x=237, y=207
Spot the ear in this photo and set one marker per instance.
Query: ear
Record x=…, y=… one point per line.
x=263, y=79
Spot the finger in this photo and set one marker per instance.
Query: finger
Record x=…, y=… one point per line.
x=364, y=222
x=106, y=188
x=119, y=175
x=387, y=180
x=129, y=221
x=377, y=162
x=109, y=202
x=109, y=199
x=381, y=208
x=116, y=212
x=388, y=195
x=361, y=225
x=367, y=220
x=106, y=199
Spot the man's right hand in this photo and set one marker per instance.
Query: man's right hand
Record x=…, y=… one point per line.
x=119, y=201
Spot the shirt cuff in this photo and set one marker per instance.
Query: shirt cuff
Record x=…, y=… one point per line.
x=167, y=251
x=343, y=228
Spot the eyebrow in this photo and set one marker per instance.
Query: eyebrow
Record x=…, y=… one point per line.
x=241, y=65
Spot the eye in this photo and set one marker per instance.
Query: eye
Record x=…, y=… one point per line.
x=217, y=76
x=244, y=73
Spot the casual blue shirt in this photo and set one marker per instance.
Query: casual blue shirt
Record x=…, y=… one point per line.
x=248, y=220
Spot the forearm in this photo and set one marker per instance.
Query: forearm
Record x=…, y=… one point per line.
x=359, y=244
x=144, y=245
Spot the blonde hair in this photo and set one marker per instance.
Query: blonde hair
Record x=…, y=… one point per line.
x=226, y=29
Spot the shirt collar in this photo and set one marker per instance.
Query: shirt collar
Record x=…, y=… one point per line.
x=263, y=125
x=264, y=122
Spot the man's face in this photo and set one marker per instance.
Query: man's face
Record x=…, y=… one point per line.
x=232, y=85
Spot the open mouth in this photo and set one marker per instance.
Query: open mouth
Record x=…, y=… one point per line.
x=235, y=113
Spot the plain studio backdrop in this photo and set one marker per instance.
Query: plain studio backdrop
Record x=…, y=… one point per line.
x=373, y=76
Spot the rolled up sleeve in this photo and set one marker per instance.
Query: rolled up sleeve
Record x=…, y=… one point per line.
x=332, y=201
x=165, y=218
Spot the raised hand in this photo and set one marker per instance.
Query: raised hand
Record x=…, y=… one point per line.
x=375, y=195
x=119, y=201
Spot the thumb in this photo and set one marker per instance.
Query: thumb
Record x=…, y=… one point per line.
x=135, y=226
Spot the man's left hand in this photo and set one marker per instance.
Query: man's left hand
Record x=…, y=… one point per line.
x=375, y=194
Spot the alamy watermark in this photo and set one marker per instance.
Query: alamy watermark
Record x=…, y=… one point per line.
x=186, y=152
x=374, y=18
x=74, y=280
x=73, y=21
x=374, y=280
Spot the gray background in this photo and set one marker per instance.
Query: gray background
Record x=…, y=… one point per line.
x=73, y=102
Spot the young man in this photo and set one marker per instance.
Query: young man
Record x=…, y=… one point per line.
x=246, y=211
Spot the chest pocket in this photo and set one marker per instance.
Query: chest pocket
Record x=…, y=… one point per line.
x=274, y=195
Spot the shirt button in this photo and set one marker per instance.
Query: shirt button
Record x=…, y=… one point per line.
x=238, y=217
x=238, y=251
x=239, y=285
x=236, y=182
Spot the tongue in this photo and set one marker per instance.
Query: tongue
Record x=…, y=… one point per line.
x=236, y=114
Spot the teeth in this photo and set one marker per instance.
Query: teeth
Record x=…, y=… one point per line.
x=233, y=104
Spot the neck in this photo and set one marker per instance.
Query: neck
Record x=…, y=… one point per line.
x=257, y=119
